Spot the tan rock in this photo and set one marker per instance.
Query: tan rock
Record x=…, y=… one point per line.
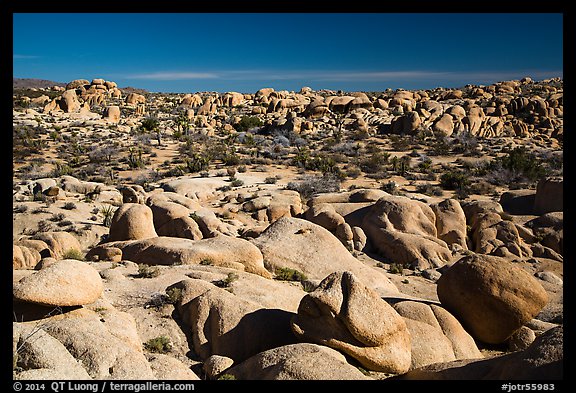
x=344, y=314
x=132, y=221
x=24, y=257
x=112, y=113
x=549, y=195
x=490, y=296
x=436, y=336
x=450, y=222
x=218, y=251
x=302, y=245
x=37, y=350
x=135, y=98
x=541, y=361
x=166, y=367
x=59, y=243
x=223, y=324
x=444, y=126
x=404, y=231
x=297, y=362
x=69, y=101
x=65, y=283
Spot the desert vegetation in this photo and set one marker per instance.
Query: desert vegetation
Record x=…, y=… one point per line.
x=230, y=236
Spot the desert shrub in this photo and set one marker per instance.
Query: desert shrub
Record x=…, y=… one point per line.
x=311, y=185
x=150, y=124
x=234, y=182
x=57, y=217
x=226, y=377
x=107, y=212
x=173, y=295
x=288, y=274
x=517, y=166
x=69, y=206
x=73, y=253
x=271, y=180
x=429, y=189
x=248, y=122
x=353, y=172
x=20, y=209
x=61, y=170
x=396, y=268
x=482, y=187
x=147, y=271
x=242, y=168
x=454, y=180
x=158, y=345
x=44, y=226
x=65, y=223
x=375, y=162
x=226, y=282
x=391, y=187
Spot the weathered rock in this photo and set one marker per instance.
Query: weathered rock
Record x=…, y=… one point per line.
x=490, y=296
x=490, y=233
x=549, y=195
x=173, y=219
x=302, y=245
x=112, y=113
x=216, y=365
x=132, y=221
x=344, y=314
x=104, y=253
x=166, y=367
x=107, y=345
x=24, y=257
x=436, y=336
x=135, y=98
x=450, y=222
x=69, y=101
x=518, y=201
x=132, y=194
x=59, y=243
x=223, y=324
x=521, y=339
x=543, y=360
x=65, y=283
x=297, y=362
x=219, y=251
x=444, y=126
x=403, y=230
x=37, y=350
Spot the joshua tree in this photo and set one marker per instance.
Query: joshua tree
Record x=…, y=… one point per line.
x=183, y=122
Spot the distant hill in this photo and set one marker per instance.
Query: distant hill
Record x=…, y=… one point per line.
x=29, y=83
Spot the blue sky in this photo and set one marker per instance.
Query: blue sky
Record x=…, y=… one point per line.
x=245, y=52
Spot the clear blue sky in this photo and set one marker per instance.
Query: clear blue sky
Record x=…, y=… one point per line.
x=245, y=52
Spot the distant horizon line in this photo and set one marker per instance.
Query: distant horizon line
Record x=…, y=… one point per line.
x=448, y=86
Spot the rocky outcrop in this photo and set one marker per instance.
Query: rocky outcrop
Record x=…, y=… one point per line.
x=344, y=314
x=490, y=296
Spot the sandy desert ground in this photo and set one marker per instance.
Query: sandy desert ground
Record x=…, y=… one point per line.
x=306, y=235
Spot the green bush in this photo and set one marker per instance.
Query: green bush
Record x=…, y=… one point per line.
x=311, y=185
x=173, y=295
x=226, y=377
x=454, y=180
x=150, y=124
x=225, y=283
x=147, y=271
x=288, y=274
x=518, y=165
x=158, y=345
x=248, y=122
x=73, y=253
